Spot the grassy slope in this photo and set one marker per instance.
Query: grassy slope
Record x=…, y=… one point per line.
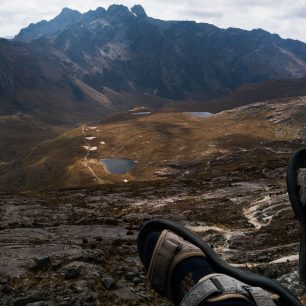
x=154, y=141
x=19, y=134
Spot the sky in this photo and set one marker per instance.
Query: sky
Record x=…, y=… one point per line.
x=284, y=17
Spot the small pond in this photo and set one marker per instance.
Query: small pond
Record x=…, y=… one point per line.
x=118, y=165
x=141, y=113
x=200, y=114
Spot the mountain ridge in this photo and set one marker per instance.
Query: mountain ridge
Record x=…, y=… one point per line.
x=126, y=50
x=80, y=68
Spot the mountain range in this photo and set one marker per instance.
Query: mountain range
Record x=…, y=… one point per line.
x=84, y=67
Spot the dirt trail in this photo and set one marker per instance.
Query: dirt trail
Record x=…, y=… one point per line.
x=85, y=160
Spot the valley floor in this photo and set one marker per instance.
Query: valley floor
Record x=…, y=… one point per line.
x=78, y=246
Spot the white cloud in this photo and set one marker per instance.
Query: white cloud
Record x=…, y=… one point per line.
x=285, y=17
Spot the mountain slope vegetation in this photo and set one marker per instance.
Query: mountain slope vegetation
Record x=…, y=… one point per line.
x=160, y=143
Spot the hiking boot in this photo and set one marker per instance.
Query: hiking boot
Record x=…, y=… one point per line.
x=184, y=269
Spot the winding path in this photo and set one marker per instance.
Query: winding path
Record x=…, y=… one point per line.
x=85, y=160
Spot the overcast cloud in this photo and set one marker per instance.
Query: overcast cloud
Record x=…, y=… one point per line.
x=285, y=17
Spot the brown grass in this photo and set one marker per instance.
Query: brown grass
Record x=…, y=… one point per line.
x=153, y=141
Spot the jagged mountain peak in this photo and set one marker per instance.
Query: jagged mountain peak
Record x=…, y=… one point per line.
x=49, y=28
x=100, y=10
x=92, y=15
x=118, y=8
x=116, y=13
x=139, y=11
x=119, y=14
x=68, y=14
x=69, y=11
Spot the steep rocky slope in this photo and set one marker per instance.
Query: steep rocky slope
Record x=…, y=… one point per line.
x=36, y=80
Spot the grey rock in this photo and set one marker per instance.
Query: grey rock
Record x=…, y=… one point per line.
x=109, y=283
x=41, y=263
x=23, y=301
x=41, y=303
x=82, y=286
x=127, y=249
x=129, y=276
x=68, y=292
x=94, y=256
x=137, y=280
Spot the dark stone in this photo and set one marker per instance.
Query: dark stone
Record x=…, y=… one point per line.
x=109, y=221
x=137, y=280
x=73, y=273
x=4, y=280
x=109, y=283
x=6, y=289
x=95, y=258
x=132, y=227
x=127, y=249
x=41, y=263
x=129, y=276
x=38, y=297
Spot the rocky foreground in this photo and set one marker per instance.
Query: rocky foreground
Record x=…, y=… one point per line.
x=78, y=246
